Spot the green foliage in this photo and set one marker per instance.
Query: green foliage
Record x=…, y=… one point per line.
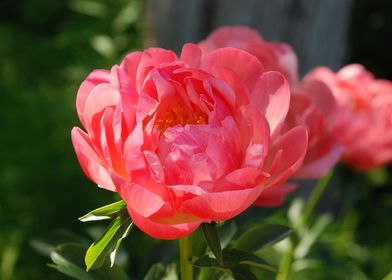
x=68, y=259
x=109, y=242
x=211, y=236
x=235, y=262
x=259, y=236
x=47, y=48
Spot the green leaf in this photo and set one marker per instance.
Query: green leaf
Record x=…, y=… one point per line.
x=48, y=242
x=311, y=236
x=206, y=261
x=261, y=236
x=109, y=211
x=156, y=272
x=118, y=243
x=242, y=273
x=211, y=235
x=108, y=242
x=198, y=243
x=68, y=258
x=159, y=272
x=227, y=232
x=388, y=277
x=233, y=257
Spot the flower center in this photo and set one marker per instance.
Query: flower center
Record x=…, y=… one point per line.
x=177, y=116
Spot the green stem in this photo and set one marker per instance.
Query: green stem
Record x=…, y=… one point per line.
x=285, y=263
x=310, y=205
x=185, y=256
x=315, y=196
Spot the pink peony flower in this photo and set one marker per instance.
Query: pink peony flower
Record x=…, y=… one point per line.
x=366, y=128
x=275, y=56
x=186, y=140
x=314, y=106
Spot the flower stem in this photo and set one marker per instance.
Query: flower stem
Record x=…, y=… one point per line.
x=310, y=205
x=315, y=196
x=185, y=256
x=285, y=263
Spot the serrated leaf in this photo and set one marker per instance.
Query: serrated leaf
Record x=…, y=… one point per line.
x=233, y=257
x=211, y=235
x=106, y=212
x=260, y=236
x=68, y=258
x=108, y=242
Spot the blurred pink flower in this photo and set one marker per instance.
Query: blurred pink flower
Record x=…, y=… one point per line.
x=366, y=128
x=186, y=140
x=275, y=56
x=314, y=106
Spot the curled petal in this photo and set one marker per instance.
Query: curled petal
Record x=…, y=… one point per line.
x=221, y=206
x=271, y=95
x=94, y=78
x=93, y=166
x=286, y=155
x=162, y=231
x=245, y=65
x=191, y=55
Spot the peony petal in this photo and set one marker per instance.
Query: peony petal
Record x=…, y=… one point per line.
x=130, y=65
x=134, y=159
x=142, y=204
x=191, y=55
x=221, y=206
x=245, y=65
x=93, y=79
x=291, y=148
x=162, y=231
x=152, y=58
x=271, y=95
x=319, y=167
x=101, y=97
x=93, y=166
x=222, y=36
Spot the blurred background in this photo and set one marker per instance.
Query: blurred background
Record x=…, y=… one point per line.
x=48, y=47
